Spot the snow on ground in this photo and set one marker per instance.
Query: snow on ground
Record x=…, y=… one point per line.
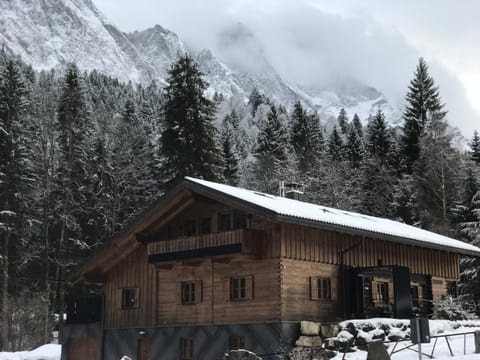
x=437, y=328
x=44, y=352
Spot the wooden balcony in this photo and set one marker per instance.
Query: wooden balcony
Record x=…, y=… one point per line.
x=245, y=241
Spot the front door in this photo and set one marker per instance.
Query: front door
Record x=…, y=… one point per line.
x=143, y=349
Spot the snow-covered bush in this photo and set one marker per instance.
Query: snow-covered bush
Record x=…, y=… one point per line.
x=451, y=308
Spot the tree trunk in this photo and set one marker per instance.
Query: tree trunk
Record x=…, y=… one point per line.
x=5, y=278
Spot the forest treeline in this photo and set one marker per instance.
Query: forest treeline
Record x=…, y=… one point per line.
x=81, y=154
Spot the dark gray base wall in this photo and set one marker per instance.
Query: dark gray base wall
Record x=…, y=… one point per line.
x=209, y=342
x=69, y=331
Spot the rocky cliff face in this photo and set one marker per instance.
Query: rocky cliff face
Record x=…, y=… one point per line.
x=52, y=33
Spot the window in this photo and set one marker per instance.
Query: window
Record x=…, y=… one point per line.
x=239, y=220
x=241, y=288
x=225, y=222
x=236, y=342
x=382, y=292
x=205, y=226
x=186, y=348
x=191, y=292
x=415, y=295
x=320, y=288
x=130, y=298
x=190, y=228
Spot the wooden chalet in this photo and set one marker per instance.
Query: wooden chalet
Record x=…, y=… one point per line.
x=212, y=267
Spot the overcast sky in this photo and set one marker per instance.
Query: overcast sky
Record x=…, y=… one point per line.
x=377, y=42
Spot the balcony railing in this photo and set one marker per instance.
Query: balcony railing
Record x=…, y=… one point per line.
x=246, y=241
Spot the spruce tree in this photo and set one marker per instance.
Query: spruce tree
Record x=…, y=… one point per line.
x=229, y=153
x=342, y=121
x=335, y=145
x=357, y=124
x=354, y=148
x=422, y=99
x=73, y=179
x=13, y=186
x=188, y=141
x=306, y=138
x=379, y=141
x=271, y=152
x=475, y=148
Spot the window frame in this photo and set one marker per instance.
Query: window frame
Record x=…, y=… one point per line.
x=195, y=291
x=241, y=288
x=321, y=289
x=186, y=348
x=126, y=299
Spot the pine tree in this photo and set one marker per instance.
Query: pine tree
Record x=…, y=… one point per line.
x=354, y=148
x=357, y=125
x=379, y=141
x=342, y=121
x=422, y=99
x=306, y=138
x=475, y=148
x=13, y=162
x=73, y=181
x=188, y=140
x=230, y=158
x=271, y=152
x=335, y=145
x=470, y=276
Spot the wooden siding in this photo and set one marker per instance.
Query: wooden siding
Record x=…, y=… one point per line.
x=132, y=272
x=250, y=239
x=317, y=245
x=296, y=302
x=216, y=306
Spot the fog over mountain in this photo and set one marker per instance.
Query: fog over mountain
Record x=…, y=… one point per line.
x=323, y=42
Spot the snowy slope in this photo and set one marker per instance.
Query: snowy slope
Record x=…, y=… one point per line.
x=52, y=33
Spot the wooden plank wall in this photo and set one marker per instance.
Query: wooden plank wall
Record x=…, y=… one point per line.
x=265, y=305
x=295, y=291
x=317, y=245
x=134, y=271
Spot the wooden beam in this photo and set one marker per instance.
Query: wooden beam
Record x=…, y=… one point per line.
x=169, y=216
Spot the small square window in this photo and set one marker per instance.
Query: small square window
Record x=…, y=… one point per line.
x=191, y=292
x=225, y=222
x=320, y=288
x=205, y=226
x=236, y=342
x=186, y=348
x=241, y=288
x=130, y=298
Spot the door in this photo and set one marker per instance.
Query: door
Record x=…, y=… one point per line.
x=81, y=348
x=143, y=349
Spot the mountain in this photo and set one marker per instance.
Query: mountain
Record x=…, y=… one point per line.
x=52, y=33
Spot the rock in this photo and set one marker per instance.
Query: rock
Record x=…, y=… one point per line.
x=328, y=331
x=378, y=334
x=317, y=354
x=351, y=329
x=377, y=351
x=241, y=355
x=368, y=327
x=309, y=328
x=330, y=343
x=344, y=340
x=385, y=328
x=309, y=341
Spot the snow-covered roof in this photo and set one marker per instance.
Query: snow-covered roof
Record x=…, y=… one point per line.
x=295, y=209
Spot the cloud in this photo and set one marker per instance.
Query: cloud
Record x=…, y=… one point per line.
x=320, y=42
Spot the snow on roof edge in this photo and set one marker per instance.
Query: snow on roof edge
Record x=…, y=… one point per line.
x=339, y=218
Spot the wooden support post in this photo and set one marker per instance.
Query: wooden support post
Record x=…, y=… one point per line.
x=477, y=341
